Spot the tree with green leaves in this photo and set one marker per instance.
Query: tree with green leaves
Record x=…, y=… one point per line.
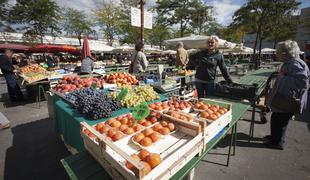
x=76, y=23
x=191, y=16
x=158, y=34
x=108, y=17
x=3, y=10
x=38, y=18
x=265, y=18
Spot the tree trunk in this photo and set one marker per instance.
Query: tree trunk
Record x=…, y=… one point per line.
x=80, y=37
x=181, y=29
x=260, y=50
x=275, y=42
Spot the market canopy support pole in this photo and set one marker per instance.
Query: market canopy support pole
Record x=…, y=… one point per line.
x=142, y=20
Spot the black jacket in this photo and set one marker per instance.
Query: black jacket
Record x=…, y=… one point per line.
x=206, y=64
x=6, y=65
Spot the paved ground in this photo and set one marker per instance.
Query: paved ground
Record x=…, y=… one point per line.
x=31, y=149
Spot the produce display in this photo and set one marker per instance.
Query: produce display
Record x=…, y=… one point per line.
x=121, y=78
x=94, y=104
x=174, y=105
x=184, y=72
x=151, y=135
x=35, y=68
x=179, y=116
x=138, y=95
x=209, y=111
x=71, y=83
x=33, y=76
x=118, y=128
x=149, y=160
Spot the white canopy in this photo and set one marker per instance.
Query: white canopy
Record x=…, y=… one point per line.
x=100, y=47
x=169, y=52
x=197, y=42
x=268, y=51
x=149, y=49
x=124, y=48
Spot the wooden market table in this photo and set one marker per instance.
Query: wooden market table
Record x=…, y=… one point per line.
x=82, y=166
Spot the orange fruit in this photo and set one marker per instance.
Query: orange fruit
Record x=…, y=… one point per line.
x=129, y=131
x=116, y=124
x=117, y=136
x=156, y=127
x=112, y=132
x=123, y=127
x=212, y=117
x=155, y=136
x=110, y=121
x=147, y=168
x=138, y=137
x=124, y=120
x=164, y=131
x=204, y=114
x=147, y=123
x=171, y=126
x=153, y=160
x=99, y=126
x=164, y=123
x=143, y=154
x=146, y=141
x=138, y=127
x=104, y=129
x=221, y=111
x=129, y=165
x=148, y=132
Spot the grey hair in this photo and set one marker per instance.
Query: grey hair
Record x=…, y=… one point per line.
x=213, y=37
x=180, y=44
x=289, y=47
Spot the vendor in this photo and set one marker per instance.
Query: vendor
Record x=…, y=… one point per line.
x=181, y=56
x=8, y=70
x=87, y=65
x=206, y=62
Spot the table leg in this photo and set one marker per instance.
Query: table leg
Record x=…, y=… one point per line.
x=251, y=133
x=235, y=139
x=231, y=143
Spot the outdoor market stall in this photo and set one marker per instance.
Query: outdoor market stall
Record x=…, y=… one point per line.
x=68, y=125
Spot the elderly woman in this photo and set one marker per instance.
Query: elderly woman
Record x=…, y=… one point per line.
x=181, y=56
x=205, y=63
x=289, y=93
x=139, y=62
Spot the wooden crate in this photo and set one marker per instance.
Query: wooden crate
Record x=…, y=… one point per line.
x=209, y=128
x=175, y=150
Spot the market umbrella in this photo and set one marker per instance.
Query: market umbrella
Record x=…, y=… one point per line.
x=124, y=48
x=168, y=52
x=197, y=42
x=268, y=51
x=85, y=49
x=14, y=47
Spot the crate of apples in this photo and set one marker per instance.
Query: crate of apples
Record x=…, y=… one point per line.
x=121, y=78
x=209, y=111
x=71, y=83
x=179, y=116
x=149, y=160
x=149, y=136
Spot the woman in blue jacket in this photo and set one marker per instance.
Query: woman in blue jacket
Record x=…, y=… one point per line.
x=291, y=83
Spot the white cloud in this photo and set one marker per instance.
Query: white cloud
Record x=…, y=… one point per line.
x=224, y=10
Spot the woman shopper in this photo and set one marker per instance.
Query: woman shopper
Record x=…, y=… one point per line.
x=206, y=63
x=139, y=62
x=289, y=93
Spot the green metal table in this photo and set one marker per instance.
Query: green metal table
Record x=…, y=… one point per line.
x=82, y=166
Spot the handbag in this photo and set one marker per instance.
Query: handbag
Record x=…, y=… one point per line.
x=286, y=104
x=130, y=70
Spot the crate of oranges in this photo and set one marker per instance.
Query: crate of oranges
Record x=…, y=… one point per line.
x=216, y=113
x=155, y=148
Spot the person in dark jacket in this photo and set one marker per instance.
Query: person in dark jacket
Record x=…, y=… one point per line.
x=7, y=69
x=292, y=83
x=206, y=62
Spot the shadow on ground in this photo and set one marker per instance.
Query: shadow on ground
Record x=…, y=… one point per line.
x=242, y=141
x=35, y=153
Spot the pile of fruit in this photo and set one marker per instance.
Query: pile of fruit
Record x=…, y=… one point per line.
x=121, y=78
x=184, y=72
x=149, y=160
x=209, y=111
x=33, y=76
x=71, y=83
x=138, y=95
x=117, y=128
x=173, y=105
x=93, y=104
x=35, y=68
x=179, y=116
x=151, y=135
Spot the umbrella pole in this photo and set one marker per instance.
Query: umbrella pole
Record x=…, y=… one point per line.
x=142, y=20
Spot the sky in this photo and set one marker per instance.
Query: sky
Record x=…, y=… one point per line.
x=224, y=9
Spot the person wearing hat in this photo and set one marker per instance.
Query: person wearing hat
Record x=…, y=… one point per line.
x=8, y=70
x=87, y=65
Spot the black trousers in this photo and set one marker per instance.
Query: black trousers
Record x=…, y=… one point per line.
x=14, y=91
x=204, y=89
x=279, y=122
